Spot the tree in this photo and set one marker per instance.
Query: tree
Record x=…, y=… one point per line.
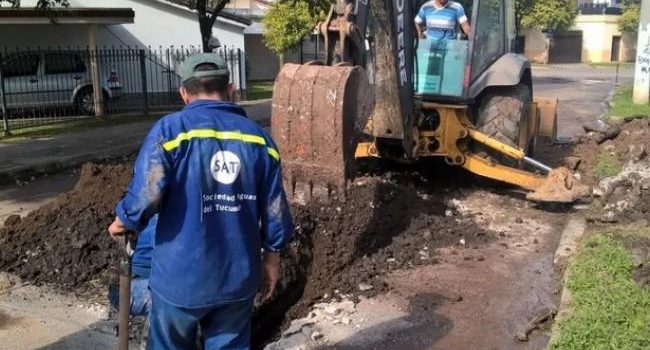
x=287, y=23
x=207, y=10
x=629, y=21
x=551, y=15
x=41, y=4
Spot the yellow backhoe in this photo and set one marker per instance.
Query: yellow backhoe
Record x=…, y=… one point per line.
x=381, y=92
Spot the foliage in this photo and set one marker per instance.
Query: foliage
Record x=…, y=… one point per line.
x=286, y=24
x=606, y=165
x=41, y=4
x=629, y=21
x=610, y=310
x=552, y=15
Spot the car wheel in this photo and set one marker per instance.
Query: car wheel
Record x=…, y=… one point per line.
x=85, y=102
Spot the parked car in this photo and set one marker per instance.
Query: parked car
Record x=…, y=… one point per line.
x=46, y=79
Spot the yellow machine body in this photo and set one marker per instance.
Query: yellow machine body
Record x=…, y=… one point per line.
x=452, y=137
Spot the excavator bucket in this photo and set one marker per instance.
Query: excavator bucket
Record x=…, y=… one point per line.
x=318, y=114
x=560, y=186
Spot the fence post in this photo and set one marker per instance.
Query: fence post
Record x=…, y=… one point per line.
x=241, y=61
x=3, y=103
x=302, y=43
x=143, y=77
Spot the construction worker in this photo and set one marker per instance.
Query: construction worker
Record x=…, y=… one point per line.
x=438, y=19
x=214, y=178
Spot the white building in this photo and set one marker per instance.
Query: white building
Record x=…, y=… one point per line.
x=159, y=25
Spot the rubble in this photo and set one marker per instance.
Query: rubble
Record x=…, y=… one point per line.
x=623, y=197
x=302, y=331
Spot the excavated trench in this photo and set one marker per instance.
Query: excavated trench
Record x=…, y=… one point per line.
x=388, y=222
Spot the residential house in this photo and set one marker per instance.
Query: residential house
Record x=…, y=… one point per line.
x=594, y=37
x=166, y=29
x=261, y=62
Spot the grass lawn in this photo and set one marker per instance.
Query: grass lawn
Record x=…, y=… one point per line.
x=606, y=165
x=612, y=64
x=622, y=105
x=610, y=310
x=72, y=125
x=259, y=90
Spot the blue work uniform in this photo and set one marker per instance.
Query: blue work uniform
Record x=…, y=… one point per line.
x=214, y=178
x=441, y=22
x=141, y=260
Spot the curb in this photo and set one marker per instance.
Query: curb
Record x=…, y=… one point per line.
x=571, y=235
x=66, y=162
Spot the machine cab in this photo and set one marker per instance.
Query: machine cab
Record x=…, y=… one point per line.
x=446, y=68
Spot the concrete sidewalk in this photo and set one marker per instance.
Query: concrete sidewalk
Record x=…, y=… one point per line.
x=69, y=150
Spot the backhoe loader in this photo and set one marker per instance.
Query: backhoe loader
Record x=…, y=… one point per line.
x=382, y=92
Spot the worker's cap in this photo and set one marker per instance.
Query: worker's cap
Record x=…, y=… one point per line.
x=188, y=68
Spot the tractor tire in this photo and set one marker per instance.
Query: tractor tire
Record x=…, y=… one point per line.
x=500, y=115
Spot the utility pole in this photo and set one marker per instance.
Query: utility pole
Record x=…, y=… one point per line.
x=642, y=68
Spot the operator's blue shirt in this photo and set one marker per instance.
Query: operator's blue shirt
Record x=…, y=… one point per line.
x=214, y=178
x=141, y=260
x=441, y=22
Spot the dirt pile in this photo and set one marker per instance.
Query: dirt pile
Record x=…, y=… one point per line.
x=345, y=246
x=626, y=141
x=616, y=162
x=382, y=226
x=65, y=242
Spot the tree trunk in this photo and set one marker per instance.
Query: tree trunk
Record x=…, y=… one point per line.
x=206, y=35
x=206, y=22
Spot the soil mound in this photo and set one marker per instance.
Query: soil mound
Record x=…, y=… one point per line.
x=616, y=162
x=626, y=141
x=347, y=246
x=380, y=227
x=65, y=242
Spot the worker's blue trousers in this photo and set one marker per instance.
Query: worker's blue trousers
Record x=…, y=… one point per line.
x=225, y=326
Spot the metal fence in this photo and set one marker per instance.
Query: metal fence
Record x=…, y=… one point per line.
x=310, y=49
x=44, y=86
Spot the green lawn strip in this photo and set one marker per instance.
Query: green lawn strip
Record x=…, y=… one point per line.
x=622, y=65
x=610, y=310
x=56, y=128
x=259, y=90
x=622, y=105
